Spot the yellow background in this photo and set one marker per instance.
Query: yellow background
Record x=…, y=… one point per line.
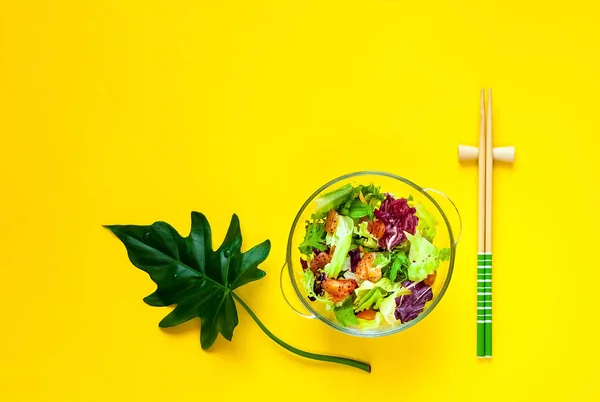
x=136, y=111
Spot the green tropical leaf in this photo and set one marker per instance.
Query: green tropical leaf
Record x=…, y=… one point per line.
x=191, y=275
x=200, y=281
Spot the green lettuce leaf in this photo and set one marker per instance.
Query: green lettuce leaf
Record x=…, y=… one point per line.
x=366, y=286
x=342, y=239
x=345, y=313
x=423, y=257
x=427, y=223
x=366, y=238
x=399, y=267
x=370, y=324
x=361, y=202
x=358, y=209
x=313, y=238
x=363, y=289
x=370, y=300
x=386, y=284
x=308, y=282
x=372, y=195
x=444, y=254
x=354, y=207
x=369, y=294
x=382, y=260
x=332, y=200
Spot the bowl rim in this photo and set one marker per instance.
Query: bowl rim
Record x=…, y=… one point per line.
x=395, y=329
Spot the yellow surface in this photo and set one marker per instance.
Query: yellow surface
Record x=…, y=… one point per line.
x=131, y=112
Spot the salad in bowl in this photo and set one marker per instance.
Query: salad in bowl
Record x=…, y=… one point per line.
x=369, y=257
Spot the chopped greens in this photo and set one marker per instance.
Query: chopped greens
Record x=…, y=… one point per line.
x=313, y=238
x=381, y=248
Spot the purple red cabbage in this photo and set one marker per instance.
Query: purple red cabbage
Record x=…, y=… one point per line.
x=354, y=259
x=408, y=307
x=304, y=264
x=398, y=217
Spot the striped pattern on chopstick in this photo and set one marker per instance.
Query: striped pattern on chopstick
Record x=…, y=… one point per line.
x=484, y=300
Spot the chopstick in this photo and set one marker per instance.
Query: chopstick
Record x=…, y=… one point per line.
x=486, y=154
x=488, y=228
x=484, y=257
x=481, y=255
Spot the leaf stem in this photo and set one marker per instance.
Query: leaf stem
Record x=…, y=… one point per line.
x=332, y=359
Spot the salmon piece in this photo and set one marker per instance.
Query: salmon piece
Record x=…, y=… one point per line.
x=338, y=290
x=430, y=279
x=332, y=221
x=367, y=314
x=376, y=228
x=365, y=269
x=319, y=262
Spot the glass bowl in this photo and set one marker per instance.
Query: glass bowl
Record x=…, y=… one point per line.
x=445, y=237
